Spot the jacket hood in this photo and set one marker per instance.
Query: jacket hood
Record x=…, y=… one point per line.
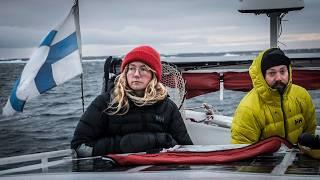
x=268, y=94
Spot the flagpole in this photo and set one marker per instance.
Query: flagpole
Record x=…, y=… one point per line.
x=76, y=4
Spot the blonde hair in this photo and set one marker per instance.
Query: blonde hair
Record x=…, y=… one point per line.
x=154, y=92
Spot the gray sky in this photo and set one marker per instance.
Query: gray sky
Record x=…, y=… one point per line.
x=113, y=27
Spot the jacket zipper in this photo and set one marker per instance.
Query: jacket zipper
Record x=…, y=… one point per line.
x=284, y=117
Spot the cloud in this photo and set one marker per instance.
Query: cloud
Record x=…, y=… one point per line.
x=301, y=37
x=18, y=37
x=234, y=40
x=170, y=25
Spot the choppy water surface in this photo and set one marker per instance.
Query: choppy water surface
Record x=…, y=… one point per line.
x=48, y=121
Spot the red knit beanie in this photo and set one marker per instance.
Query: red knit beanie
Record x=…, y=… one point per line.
x=147, y=55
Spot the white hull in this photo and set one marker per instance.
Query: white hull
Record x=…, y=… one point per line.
x=218, y=132
x=203, y=134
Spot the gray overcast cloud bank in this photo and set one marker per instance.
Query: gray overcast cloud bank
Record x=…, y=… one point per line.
x=172, y=26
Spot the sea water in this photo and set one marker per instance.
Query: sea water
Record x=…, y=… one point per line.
x=48, y=121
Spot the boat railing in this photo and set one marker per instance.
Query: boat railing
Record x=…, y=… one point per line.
x=36, y=161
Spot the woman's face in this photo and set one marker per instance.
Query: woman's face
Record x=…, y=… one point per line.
x=138, y=76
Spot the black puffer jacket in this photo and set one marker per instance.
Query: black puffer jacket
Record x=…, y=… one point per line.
x=141, y=129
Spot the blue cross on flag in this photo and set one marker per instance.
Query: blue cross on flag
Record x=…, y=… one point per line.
x=55, y=61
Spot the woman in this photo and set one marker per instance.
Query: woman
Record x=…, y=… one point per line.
x=136, y=116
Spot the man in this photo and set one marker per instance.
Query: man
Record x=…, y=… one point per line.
x=275, y=106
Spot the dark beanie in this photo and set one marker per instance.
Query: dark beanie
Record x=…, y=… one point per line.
x=147, y=55
x=273, y=57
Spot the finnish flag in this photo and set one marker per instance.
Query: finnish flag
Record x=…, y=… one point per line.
x=55, y=61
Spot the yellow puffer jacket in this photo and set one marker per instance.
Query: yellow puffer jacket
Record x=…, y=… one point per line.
x=260, y=115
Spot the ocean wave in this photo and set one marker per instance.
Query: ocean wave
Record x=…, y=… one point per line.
x=48, y=121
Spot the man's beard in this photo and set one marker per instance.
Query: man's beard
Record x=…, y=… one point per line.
x=279, y=86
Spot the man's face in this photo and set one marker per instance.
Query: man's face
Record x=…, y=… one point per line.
x=277, y=77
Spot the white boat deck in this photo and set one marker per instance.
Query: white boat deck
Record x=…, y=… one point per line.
x=284, y=164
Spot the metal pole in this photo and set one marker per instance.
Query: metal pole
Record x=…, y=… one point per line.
x=274, y=29
x=77, y=17
x=82, y=97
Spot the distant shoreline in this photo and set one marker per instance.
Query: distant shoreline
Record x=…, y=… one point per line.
x=195, y=54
